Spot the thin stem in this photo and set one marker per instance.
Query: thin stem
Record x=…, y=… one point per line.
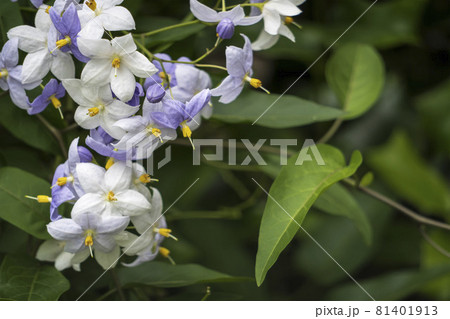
x=433, y=244
x=145, y=50
x=211, y=66
x=208, y=52
x=171, y=27
x=29, y=9
x=107, y=294
x=56, y=133
x=224, y=6
x=410, y=213
x=117, y=283
x=331, y=131
x=207, y=294
x=69, y=128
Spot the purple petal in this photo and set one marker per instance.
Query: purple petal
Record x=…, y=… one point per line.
x=39, y=104
x=10, y=53
x=225, y=29
x=198, y=102
x=50, y=88
x=164, y=120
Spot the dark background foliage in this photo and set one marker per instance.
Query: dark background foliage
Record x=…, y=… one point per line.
x=404, y=138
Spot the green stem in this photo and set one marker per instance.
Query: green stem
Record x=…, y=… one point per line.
x=55, y=132
x=208, y=52
x=171, y=27
x=29, y=9
x=117, y=283
x=331, y=131
x=145, y=50
x=211, y=66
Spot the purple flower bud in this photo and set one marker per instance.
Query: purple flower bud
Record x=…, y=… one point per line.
x=85, y=155
x=155, y=93
x=225, y=29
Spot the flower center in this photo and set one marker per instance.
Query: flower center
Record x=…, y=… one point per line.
x=48, y=9
x=63, y=180
x=42, y=199
x=89, y=240
x=55, y=101
x=256, y=83
x=63, y=42
x=92, y=4
x=111, y=197
x=186, y=130
x=288, y=20
x=116, y=65
x=3, y=73
x=166, y=232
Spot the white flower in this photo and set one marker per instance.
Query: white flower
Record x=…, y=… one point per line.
x=90, y=234
x=108, y=192
x=99, y=15
x=53, y=250
x=115, y=62
x=97, y=107
x=39, y=61
x=276, y=13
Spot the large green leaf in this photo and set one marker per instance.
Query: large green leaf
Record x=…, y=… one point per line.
x=339, y=201
x=356, y=74
x=24, y=279
x=393, y=286
x=24, y=213
x=162, y=274
x=401, y=167
x=292, y=194
x=25, y=127
x=288, y=111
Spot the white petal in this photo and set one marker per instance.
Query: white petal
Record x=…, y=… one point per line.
x=30, y=39
x=63, y=66
x=203, y=13
x=36, y=66
x=91, y=177
x=124, y=45
x=132, y=203
x=139, y=65
x=107, y=260
x=95, y=48
x=92, y=30
x=118, y=177
x=272, y=21
x=74, y=88
x=124, y=84
x=64, y=261
x=283, y=7
x=42, y=20
x=89, y=203
x=49, y=250
x=97, y=72
x=117, y=19
x=286, y=32
x=265, y=41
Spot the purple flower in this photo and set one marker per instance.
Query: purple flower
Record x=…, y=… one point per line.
x=52, y=92
x=227, y=19
x=68, y=26
x=239, y=67
x=155, y=95
x=101, y=142
x=65, y=184
x=11, y=74
x=136, y=99
x=179, y=114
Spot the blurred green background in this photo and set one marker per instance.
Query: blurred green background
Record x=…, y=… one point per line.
x=404, y=138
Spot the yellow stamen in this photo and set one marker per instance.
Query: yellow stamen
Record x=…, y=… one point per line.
x=166, y=253
x=63, y=181
x=157, y=133
x=93, y=111
x=48, y=9
x=288, y=20
x=62, y=43
x=256, y=83
x=3, y=73
x=111, y=197
x=56, y=103
x=89, y=241
x=187, y=132
x=92, y=4
x=42, y=199
x=109, y=163
x=116, y=65
x=165, y=232
x=162, y=75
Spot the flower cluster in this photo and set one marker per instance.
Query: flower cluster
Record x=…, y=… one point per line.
x=131, y=104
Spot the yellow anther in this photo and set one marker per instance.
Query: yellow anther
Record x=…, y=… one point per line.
x=93, y=111
x=116, y=63
x=92, y=4
x=56, y=102
x=89, y=241
x=63, y=180
x=3, y=73
x=156, y=132
x=162, y=75
x=48, y=9
x=111, y=197
x=61, y=43
x=109, y=163
x=42, y=199
x=145, y=178
x=288, y=20
x=257, y=84
x=165, y=232
x=164, y=252
x=186, y=130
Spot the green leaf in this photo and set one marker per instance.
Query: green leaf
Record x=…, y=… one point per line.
x=356, y=74
x=25, y=127
x=10, y=17
x=393, y=286
x=24, y=213
x=162, y=274
x=367, y=179
x=408, y=175
x=23, y=279
x=339, y=201
x=295, y=190
x=288, y=111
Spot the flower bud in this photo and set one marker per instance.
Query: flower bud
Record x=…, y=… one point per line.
x=85, y=155
x=225, y=29
x=155, y=93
